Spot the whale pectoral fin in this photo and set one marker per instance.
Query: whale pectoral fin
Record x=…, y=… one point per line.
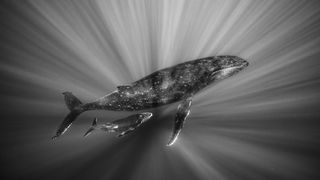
x=124, y=89
x=181, y=116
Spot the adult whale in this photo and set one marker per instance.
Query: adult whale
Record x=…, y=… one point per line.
x=165, y=86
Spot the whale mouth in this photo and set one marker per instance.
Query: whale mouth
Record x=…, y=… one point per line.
x=234, y=69
x=228, y=71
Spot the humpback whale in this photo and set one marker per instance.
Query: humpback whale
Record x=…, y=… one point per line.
x=122, y=126
x=169, y=85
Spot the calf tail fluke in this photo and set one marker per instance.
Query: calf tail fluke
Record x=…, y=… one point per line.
x=92, y=128
x=75, y=107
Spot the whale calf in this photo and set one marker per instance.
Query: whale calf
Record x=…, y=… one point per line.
x=122, y=126
x=169, y=85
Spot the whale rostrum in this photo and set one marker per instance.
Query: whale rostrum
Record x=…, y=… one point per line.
x=177, y=83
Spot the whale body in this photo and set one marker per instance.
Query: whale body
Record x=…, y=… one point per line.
x=177, y=83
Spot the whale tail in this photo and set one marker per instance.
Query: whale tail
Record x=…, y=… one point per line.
x=75, y=107
x=92, y=128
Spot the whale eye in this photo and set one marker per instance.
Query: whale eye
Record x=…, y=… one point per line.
x=213, y=68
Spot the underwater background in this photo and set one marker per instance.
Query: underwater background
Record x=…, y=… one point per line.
x=262, y=123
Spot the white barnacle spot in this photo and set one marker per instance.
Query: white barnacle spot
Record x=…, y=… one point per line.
x=100, y=103
x=165, y=99
x=143, y=91
x=165, y=84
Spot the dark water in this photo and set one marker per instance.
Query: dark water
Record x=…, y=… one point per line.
x=262, y=123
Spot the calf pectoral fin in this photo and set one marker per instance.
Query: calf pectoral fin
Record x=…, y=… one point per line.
x=181, y=116
x=136, y=121
x=126, y=132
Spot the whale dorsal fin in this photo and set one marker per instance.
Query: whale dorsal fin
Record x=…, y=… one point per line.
x=181, y=116
x=125, y=88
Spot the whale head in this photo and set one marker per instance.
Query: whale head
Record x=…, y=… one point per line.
x=226, y=66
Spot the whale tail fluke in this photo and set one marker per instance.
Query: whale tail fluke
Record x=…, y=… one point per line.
x=75, y=107
x=92, y=128
x=71, y=101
